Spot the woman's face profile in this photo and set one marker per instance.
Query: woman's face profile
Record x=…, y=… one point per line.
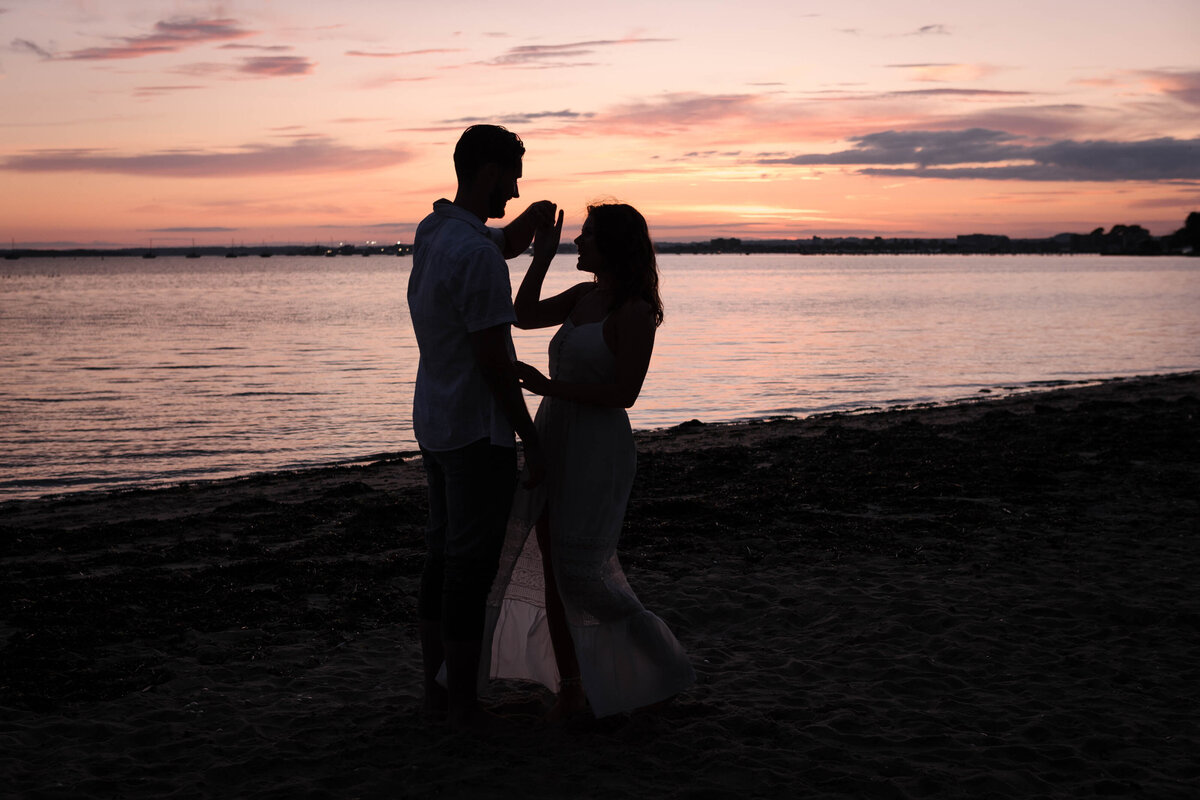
x=589, y=255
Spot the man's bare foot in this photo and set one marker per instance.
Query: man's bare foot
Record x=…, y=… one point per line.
x=435, y=703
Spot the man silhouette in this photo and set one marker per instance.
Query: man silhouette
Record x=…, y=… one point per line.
x=467, y=404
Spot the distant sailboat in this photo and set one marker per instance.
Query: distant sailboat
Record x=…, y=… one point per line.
x=192, y=253
x=11, y=255
x=150, y=253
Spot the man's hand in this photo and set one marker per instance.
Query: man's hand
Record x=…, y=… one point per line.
x=540, y=214
x=535, y=463
x=518, y=234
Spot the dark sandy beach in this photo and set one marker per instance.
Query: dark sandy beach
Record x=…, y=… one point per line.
x=996, y=598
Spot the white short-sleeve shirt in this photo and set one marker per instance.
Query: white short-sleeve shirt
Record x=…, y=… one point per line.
x=459, y=285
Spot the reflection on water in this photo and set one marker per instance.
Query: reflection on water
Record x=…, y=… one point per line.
x=126, y=372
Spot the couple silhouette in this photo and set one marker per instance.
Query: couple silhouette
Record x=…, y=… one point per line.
x=521, y=577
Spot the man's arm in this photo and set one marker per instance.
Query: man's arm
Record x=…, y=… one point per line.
x=490, y=347
x=518, y=234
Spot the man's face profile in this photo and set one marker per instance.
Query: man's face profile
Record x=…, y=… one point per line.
x=504, y=189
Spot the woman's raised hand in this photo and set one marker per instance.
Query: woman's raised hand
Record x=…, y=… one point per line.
x=546, y=238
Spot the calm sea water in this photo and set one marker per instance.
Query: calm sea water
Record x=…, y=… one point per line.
x=131, y=372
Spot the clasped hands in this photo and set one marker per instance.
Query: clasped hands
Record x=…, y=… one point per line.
x=530, y=379
x=547, y=229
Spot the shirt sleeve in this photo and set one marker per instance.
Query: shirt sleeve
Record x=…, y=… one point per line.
x=484, y=295
x=497, y=236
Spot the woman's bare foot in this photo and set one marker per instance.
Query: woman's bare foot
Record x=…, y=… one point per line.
x=570, y=701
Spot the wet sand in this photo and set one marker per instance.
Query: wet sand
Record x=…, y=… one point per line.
x=992, y=598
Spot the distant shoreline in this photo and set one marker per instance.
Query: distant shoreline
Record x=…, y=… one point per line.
x=1128, y=240
x=817, y=246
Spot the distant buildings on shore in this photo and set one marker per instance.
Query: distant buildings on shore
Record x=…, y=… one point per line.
x=1131, y=240
x=264, y=251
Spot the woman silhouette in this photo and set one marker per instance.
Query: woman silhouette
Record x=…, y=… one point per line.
x=605, y=649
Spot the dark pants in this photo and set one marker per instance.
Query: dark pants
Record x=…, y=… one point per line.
x=470, y=496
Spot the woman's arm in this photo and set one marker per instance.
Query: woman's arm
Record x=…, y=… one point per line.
x=531, y=310
x=632, y=342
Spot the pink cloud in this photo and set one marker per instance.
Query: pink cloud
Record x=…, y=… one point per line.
x=720, y=121
x=1097, y=83
x=1184, y=202
x=386, y=81
x=543, y=56
x=1179, y=85
x=725, y=120
x=949, y=92
x=273, y=48
x=1183, y=86
x=168, y=37
x=156, y=91
x=31, y=47
x=930, y=30
x=201, y=70
x=401, y=53
x=275, y=66
x=1045, y=120
x=940, y=73
x=675, y=111
x=304, y=156
x=258, y=66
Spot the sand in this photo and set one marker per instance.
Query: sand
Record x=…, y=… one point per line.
x=995, y=598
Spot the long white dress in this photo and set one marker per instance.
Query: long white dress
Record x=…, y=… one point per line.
x=628, y=657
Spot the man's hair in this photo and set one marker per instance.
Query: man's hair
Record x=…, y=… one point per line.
x=486, y=144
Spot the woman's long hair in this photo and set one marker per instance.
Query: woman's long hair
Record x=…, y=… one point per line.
x=623, y=239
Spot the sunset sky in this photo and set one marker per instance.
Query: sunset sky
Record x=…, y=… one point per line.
x=318, y=122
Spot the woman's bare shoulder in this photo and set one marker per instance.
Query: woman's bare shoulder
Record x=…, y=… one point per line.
x=635, y=309
x=634, y=317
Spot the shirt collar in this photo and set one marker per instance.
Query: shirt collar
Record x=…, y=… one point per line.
x=446, y=208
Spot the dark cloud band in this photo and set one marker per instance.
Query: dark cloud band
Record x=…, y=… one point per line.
x=300, y=157
x=960, y=154
x=169, y=36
